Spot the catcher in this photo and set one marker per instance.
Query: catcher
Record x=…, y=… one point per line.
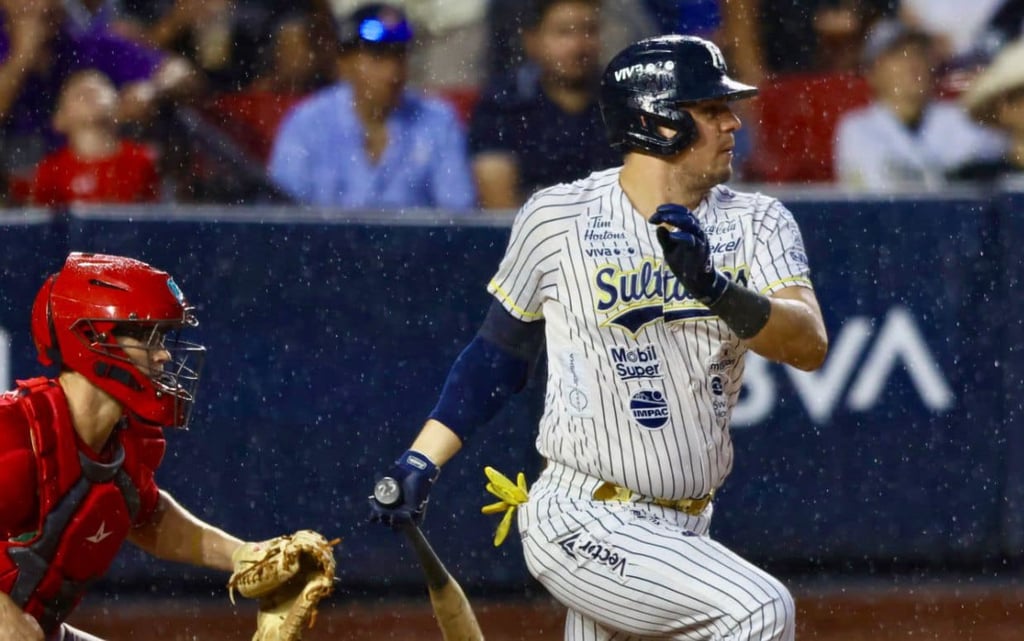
x=78, y=455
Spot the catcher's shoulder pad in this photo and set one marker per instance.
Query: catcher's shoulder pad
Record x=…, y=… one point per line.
x=145, y=441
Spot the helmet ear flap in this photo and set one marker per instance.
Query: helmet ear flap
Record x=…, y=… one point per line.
x=53, y=350
x=645, y=135
x=44, y=333
x=686, y=131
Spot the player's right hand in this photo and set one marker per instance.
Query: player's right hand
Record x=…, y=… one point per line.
x=414, y=474
x=687, y=252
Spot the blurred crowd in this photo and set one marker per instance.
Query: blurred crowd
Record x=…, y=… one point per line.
x=468, y=104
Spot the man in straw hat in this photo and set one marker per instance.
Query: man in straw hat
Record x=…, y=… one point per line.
x=996, y=98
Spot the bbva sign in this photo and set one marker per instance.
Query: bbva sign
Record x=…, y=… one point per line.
x=859, y=365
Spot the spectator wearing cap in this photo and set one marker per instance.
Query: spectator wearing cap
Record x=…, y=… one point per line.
x=905, y=138
x=996, y=98
x=368, y=142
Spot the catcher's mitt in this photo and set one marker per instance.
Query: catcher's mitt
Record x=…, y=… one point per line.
x=289, y=574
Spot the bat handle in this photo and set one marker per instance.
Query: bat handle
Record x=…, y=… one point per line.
x=436, y=574
x=387, y=492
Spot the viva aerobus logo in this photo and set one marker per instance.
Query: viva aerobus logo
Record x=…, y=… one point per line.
x=859, y=367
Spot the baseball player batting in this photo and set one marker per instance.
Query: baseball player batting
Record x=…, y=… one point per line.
x=648, y=283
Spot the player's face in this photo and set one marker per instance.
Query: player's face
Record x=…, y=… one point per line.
x=708, y=161
x=145, y=347
x=566, y=44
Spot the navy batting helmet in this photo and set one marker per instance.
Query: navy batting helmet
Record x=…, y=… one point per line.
x=651, y=81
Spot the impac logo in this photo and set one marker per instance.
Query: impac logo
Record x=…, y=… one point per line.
x=649, y=408
x=844, y=379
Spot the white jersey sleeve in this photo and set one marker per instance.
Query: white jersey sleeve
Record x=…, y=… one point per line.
x=779, y=259
x=527, y=274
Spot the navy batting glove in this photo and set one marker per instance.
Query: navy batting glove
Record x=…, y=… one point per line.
x=405, y=496
x=687, y=253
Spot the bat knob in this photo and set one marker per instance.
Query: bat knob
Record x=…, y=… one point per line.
x=387, y=492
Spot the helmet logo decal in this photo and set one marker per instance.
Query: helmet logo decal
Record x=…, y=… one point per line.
x=650, y=68
x=176, y=291
x=717, y=58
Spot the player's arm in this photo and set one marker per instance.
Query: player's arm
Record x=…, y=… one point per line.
x=15, y=624
x=496, y=364
x=437, y=441
x=175, y=534
x=786, y=327
x=794, y=333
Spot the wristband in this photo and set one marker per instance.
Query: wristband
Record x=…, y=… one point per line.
x=745, y=311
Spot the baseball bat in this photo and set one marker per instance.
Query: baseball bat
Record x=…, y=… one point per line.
x=452, y=610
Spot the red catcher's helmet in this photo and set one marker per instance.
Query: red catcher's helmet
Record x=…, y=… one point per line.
x=79, y=312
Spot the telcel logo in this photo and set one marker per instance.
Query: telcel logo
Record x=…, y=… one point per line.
x=898, y=342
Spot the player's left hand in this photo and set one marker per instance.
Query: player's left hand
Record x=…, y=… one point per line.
x=687, y=252
x=415, y=474
x=289, y=574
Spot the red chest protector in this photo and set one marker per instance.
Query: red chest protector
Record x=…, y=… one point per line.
x=86, y=508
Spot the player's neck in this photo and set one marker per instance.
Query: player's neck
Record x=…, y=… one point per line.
x=649, y=182
x=94, y=413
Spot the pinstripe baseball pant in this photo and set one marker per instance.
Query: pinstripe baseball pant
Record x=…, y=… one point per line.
x=67, y=633
x=637, y=570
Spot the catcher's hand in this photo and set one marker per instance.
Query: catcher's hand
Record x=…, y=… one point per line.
x=289, y=574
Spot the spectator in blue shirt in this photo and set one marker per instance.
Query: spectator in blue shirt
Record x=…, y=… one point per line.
x=367, y=142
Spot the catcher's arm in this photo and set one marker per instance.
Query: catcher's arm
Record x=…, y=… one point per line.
x=175, y=534
x=15, y=624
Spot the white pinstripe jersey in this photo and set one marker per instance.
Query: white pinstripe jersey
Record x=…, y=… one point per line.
x=642, y=378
